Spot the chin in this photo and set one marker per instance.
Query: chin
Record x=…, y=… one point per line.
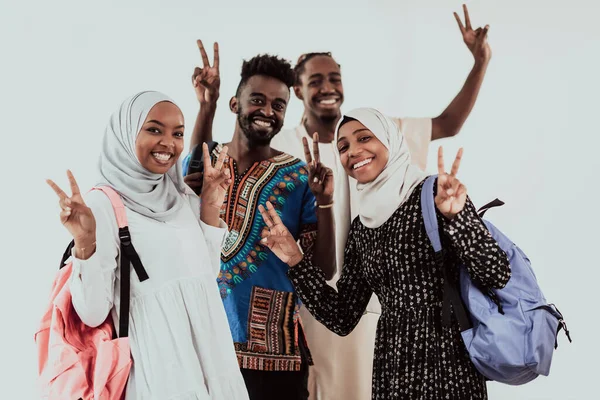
x=160, y=169
x=329, y=115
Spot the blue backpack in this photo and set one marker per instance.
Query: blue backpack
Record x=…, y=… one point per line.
x=510, y=333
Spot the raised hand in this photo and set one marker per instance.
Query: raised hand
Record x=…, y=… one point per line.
x=451, y=193
x=206, y=80
x=216, y=180
x=75, y=215
x=476, y=40
x=320, y=178
x=278, y=238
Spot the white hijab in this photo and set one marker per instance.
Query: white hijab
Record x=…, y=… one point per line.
x=379, y=199
x=156, y=196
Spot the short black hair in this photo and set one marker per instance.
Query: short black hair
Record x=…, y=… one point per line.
x=266, y=65
x=303, y=59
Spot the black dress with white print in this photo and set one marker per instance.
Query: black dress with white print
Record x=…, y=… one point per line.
x=416, y=356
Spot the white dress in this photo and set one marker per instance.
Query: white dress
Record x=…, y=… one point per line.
x=180, y=341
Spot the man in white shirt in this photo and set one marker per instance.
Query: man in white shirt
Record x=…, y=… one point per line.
x=343, y=365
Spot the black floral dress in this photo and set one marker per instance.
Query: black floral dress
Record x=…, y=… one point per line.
x=416, y=356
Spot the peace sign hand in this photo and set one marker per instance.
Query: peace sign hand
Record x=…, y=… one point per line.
x=278, y=238
x=476, y=40
x=320, y=178
x=451, y=193
x=216, y=180
x=75, y=215
x=206, y=80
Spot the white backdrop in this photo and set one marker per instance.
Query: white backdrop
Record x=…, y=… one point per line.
x=532, y=139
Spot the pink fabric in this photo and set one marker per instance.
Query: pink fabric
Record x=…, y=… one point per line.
x=75, y=360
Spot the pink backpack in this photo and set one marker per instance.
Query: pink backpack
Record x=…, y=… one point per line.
x=77, y=362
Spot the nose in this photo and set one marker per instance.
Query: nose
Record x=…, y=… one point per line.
x=168, y=142
x=327, y=88
x=267, y=110
x=354, y=150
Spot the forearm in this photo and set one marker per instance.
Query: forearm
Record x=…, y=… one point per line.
x=339, y=310
x=204, y=123
x=451, y=120
x=324, y=247
x=486, y=262
x=210, y=215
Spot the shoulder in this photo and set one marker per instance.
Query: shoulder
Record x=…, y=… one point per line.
x=98, y=201
x=289, y=141
x=289, y=161
x=411, y=124
x=101, y=207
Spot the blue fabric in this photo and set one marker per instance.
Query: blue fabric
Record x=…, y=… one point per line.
x=245, y=263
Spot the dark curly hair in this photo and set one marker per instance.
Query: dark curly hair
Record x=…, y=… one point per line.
x=267, y=65
x=301, y=63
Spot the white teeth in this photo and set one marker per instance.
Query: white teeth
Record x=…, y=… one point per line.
x=328, y=102
x=162, y=156
x=362, y=163
x=262, y=123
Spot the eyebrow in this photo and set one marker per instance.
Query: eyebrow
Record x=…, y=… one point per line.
x=153, y=121
x=354, y=133
x=321, y=75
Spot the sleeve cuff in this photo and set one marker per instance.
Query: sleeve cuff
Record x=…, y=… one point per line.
x=85, y=273
x=215, y=236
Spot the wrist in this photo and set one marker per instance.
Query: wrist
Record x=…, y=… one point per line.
x=85, y=241
x=324, y=200
x=210, y=215
x=448, y=217
x=481, y=64
x=210, y=219
x=208, y=107
x=84, y=249
x=295, y=259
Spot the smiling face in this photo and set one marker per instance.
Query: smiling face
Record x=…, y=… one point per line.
x=363, y=156
x=260, y=108
x=320, y=87
x=160, y=140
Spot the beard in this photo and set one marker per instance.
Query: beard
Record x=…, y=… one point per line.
x=256, y=135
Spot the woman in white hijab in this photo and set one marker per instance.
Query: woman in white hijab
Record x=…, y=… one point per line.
x=178, y=332
x=388, y=253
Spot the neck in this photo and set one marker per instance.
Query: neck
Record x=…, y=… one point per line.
x=242, y=151
x=326, y=128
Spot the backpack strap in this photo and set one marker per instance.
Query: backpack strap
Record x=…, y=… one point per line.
x=491, y=204
x=451, y=293
x=129, y=257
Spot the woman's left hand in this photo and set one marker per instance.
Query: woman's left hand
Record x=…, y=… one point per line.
x=451, y=193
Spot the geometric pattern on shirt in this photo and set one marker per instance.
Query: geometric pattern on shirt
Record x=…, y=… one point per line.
x=276, y=178
x=273, y=333
x=271, y=321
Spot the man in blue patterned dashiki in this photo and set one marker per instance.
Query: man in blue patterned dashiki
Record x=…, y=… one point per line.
x=261, y=304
